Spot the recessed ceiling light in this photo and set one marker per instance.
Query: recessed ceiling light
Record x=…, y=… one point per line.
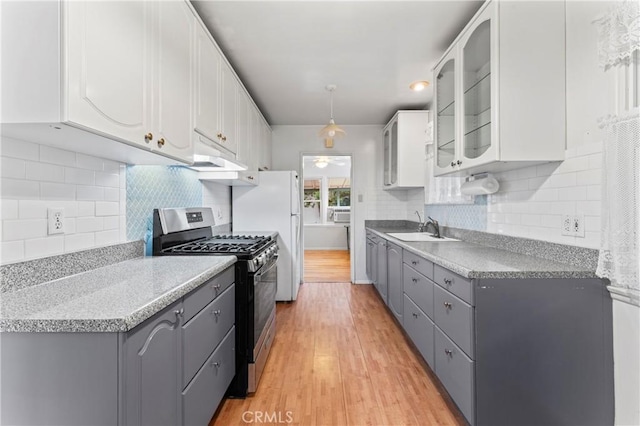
x=419, y=85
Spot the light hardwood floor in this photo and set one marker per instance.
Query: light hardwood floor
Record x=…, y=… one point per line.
x=332, y=266
x=339, y=358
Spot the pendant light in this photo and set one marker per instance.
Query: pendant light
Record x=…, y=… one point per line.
x=331, y=130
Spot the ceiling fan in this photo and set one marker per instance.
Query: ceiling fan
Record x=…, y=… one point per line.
x=323, y=161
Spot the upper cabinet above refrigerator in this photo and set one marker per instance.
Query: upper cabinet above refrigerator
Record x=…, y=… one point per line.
x=500, y=90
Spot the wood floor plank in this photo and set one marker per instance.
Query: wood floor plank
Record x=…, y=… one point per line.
x=329, y=266
x=340, y=358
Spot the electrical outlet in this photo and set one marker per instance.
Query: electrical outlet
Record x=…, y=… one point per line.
x=56, y=221
x=567, y=222
x=577, y=225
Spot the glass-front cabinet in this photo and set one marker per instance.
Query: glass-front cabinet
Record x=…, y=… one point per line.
x=500, y=97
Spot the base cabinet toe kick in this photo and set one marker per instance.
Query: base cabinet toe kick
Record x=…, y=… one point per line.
x=172, y=369
x=516, y=351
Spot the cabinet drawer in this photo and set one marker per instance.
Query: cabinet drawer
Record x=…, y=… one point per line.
x=456, y=372
x=208, y=291
x=455, y=318
x=419, y=288
x=204, y=332
x=420, y=329
x=204, y=394
x=454, y=283
x=418, y=263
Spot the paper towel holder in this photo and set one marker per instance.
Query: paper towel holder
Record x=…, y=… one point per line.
x=480, y=184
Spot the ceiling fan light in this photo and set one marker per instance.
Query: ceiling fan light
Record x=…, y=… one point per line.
x=321, y=164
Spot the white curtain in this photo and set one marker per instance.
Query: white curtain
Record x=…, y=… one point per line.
x=618, y=47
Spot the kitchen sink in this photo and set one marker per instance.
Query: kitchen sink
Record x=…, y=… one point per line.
x=419, y=236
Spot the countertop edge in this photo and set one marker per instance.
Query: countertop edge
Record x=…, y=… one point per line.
x=571, y=272
x=115, y=325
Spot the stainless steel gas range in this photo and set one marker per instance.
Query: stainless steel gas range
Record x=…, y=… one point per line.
x=187, y=231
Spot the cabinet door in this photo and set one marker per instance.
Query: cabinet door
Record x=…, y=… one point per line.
x=265, y=146
x=395, y=285
x=393, y=154
x=174, y=61
x=476, y=64
x=386, y=158
x=229, y=90
x=445, y=115
x=107, y=64
x=381, y=275
x=151, y=370
x=242, y=152
x=207, y=93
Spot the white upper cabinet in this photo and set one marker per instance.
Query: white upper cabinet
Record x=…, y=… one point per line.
x=99, y=72
x=404, y=139
x=229, y=108
x=500, y=90
x=265, y=146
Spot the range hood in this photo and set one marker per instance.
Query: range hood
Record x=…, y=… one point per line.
x=214, y=165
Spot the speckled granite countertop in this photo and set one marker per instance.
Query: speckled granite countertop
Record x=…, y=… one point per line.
x=109, y=299
x=480, y=261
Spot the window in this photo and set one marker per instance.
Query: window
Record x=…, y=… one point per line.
x=323, y=196
x=339, y=192
x=312, y=200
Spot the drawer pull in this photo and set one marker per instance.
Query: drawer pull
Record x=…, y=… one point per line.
x=148, y=137
x=448, y=352
x=179, y=312
x=415, y=280
x=448, y=281
x=215, y=364
x=216, y=287
x=448, y=305
x=414, y=262
x=414, y=315
x=216, y=312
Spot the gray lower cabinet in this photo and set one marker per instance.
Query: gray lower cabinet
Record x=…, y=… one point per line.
x=514, y=351
x=151, y=377
x=166, y=371
x=381, y=267
x=394, y=280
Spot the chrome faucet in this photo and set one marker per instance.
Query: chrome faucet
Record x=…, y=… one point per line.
x=435, y=225
x=420, y=224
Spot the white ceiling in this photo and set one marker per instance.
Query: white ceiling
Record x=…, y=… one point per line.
x=286, y=52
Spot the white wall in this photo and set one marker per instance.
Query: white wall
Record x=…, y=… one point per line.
x=35, y=177
x=218, y=197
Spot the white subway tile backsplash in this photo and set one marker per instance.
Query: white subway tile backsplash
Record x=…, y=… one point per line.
x=596, y=161
x=531, y=219
x=86, y=208
x=112, y=194
x=107, y=208
x=589, y=208
x=547, y=169
x=111, y=166
x=107, y=237
x=573, y=193
x=553, y=221
x=592, y=223
x=561, y=180
x=57, y=191
x=44, y=172
x=79, y=176
x=19, y=149
x=588, y=148
x=111, y=222
x=70, y=207
x=94, y=193
x=12, y=168
x=32, y=209
x=61, y=157
x=88, y=224
x=11, y=251
x=88, y=162
x=111, y=180
x=41, y=247
x=546, y=195
x=13, y=230
x=589, y=177
x=69, y=225
x=19, y=189
x=594, y=192
x=79, y=242
x=9, y=209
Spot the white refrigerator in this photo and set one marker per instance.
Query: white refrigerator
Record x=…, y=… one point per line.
x=274, y=205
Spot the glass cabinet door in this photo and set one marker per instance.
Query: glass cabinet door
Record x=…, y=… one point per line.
x=445, y=115
x=476, y=91
x=386, y=158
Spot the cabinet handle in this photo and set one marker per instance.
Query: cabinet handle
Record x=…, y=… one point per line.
x=216, y=312
x=414, y=315
x=216, y=287
x=250, y=177
x=148, y=137
x=448, y=305
x=414, y=262
x=448, y=281
x=215, y=364
x=453, y=164
x=179, y=312
x=160, y=142
x=459, y=162
x=448, y=352
x=415, y=280
x=224, y=138
x=219, y=135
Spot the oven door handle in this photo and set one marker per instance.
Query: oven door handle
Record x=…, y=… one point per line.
x=266, y=268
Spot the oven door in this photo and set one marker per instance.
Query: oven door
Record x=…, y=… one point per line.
x=264, y=298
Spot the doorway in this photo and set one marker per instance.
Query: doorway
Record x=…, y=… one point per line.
x=326, y=218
